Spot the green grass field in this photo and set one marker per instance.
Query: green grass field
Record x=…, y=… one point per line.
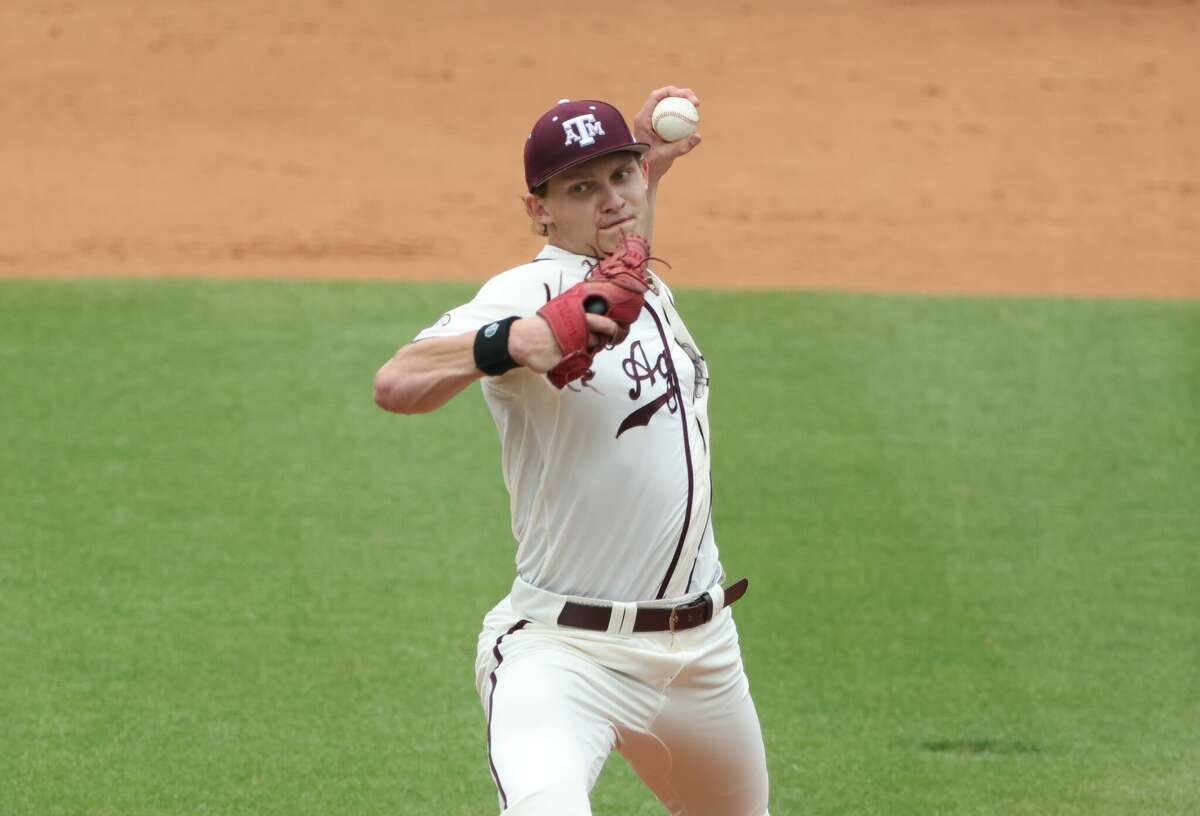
x=229, y=584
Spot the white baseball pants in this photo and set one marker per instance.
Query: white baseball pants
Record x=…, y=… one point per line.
x=677, y=706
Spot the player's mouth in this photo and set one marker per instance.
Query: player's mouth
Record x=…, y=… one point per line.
x=628, y=222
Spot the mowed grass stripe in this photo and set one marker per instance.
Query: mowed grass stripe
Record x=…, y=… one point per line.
x=231, y=584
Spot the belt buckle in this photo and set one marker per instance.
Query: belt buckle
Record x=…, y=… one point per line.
x=689, y=607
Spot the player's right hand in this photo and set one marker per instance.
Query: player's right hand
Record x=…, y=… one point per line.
x=531, y=342
x=662, y=154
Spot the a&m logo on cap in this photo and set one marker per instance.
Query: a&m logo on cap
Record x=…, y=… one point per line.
x=582, y=130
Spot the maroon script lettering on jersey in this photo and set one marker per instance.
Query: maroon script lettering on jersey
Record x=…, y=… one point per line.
x=637, y=367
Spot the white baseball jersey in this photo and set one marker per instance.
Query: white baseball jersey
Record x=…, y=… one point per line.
x=609, y=482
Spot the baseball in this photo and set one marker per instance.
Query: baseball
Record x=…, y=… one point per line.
x=675, y=118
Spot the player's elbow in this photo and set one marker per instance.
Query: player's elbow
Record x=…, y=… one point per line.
x=391, y=395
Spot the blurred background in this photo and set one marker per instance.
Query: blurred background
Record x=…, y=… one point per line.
x=1005, y=147
x=231, y=584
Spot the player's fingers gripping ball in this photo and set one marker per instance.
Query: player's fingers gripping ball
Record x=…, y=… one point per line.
x=616, y=288
x=675, y=118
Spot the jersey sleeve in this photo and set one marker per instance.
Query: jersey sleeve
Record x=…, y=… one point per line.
x=517, y=292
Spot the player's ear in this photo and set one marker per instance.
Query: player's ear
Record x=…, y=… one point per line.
x=645, y=164
x=535, y=208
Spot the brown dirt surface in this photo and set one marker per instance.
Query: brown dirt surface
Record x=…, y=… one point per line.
x=1013, y=146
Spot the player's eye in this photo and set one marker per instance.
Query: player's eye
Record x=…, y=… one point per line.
x=577, y=188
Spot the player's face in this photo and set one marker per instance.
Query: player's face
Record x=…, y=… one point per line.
x=588, y=208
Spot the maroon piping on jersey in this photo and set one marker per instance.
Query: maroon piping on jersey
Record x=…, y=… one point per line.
x=491, y=701
x=687, y=451
x=707, y=522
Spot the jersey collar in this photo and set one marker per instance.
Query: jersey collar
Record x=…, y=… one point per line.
x=553, y=253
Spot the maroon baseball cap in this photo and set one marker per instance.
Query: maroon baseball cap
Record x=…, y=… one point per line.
x=570, y=133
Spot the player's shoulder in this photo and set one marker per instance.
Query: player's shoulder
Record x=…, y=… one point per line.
x=661, y=288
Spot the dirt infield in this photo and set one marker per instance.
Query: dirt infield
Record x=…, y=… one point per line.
x=1002, y=147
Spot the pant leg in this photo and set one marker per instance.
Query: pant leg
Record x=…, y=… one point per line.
x=548, y=736
x=703, y=755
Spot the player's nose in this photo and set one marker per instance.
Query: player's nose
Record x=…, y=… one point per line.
x=611, y=199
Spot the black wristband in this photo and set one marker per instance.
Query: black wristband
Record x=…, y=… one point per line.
x=491, y=347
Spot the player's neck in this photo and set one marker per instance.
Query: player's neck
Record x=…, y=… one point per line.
x=558, y=243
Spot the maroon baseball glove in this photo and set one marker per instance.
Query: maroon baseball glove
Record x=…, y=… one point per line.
x=616, y=288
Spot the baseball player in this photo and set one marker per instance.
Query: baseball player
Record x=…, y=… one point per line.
x=617, y=632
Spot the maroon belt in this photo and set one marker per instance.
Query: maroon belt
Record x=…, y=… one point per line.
x=688, y=615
